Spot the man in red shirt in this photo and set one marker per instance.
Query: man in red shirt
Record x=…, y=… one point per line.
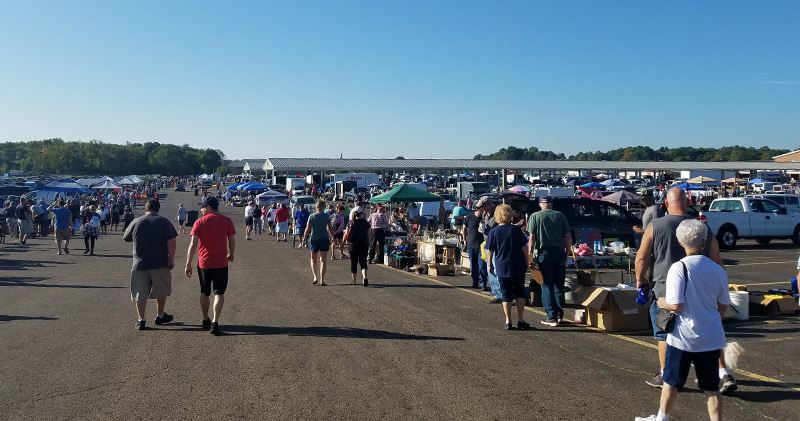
x=209, y=235
x=282, y=221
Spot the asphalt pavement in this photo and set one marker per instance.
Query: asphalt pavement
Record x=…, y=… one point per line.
x=407, y=347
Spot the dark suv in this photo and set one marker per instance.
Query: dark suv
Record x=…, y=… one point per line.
x=592, y=219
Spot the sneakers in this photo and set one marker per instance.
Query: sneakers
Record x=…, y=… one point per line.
x=650, y=418
x=214, y=328
x=727, y=385
x=166, y=318
x=366, y=282
x=495, y=301
x=66, y=250
x=656, y=381
x=523, y=325
x=59, y=253
x=206, y=324
x=509, y=326
x=140, y=324
x=550, y=322
x=560, y=318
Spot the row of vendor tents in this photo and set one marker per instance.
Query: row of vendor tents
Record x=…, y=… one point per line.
x=70, y=187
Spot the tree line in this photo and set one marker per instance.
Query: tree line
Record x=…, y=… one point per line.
x=643, y=153
x=55, y=156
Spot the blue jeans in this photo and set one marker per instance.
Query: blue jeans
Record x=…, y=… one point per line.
x=552, y=263
x=477, y=267
x=494, y=283
x=659, y=334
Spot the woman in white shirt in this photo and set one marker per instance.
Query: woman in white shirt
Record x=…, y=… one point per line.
x=697, y=291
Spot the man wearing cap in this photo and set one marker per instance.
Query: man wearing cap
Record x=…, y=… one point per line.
x=549, y=242
x=472, y=240
x=62, y=221
x=300, y=221
x=651, y=212
x=153, y=238
x=484, y=209
x=377, y=235
x=213, y=237
x=248, y=219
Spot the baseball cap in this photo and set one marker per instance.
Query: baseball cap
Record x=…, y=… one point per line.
x=209, y=201
x=546, y=199
x=481, y=202
x=380, y=209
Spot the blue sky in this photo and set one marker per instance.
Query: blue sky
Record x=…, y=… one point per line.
x=422, y=79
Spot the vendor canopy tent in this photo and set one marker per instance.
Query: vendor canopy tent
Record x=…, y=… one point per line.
x=613, y=183
x=594, y=184
x=701, y=179
x=235, y=186
x=66, y=185
x=90, y=181
x=519, y=189
x=125, y=181
x=108, y=184
x=756, y=180
x=689, y=186
x=253, y=185
x=270, y=196
x=405, y=193
x=734, y=180
x=623, y=197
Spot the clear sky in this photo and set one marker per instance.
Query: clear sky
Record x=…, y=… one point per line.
x=422, y=79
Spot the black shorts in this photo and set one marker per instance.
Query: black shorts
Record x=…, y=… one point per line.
x=248, y=220
x=338, y=235
x=511, y=288
x=218, y=278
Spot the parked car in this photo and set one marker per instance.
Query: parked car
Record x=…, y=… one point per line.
x=789, y=201
x=180, y=187
x=303, y=199
x=354, y=194
x=750, y=217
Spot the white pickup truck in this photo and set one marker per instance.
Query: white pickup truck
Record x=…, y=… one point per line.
x=749, y=217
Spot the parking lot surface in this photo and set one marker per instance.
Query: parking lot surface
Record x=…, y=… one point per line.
x=407, y=347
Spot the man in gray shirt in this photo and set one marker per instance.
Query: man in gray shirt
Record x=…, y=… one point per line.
x=651, y=212
x=153, y=238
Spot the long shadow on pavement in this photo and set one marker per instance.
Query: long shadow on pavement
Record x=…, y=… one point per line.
x=766, y=396
x=32, y=282
x=328, y=332
x=7, y=318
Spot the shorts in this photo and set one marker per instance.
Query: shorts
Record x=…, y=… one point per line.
x=338, y=235
x=659, y=334
x=180, y=222
x=283, y=227
x=706, y=364
x=62, y=234
x=25, y=226
x=511, y=288
x=153, y=283
x=248, y=220
x=320, y=244
x=218, y=278
x=114, y=219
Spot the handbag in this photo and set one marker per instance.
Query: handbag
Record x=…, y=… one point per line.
x=665, y=320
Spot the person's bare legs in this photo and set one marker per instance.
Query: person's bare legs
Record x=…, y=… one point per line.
x=668, y=396
x=160, y=302
x=507, y=311
x=520, y=309
x=204, y=303
x=219, y=300
x=323, y=264
x=140, y=308
x=714, y=405
x=662, y=354
x=354, y=277
x=314, y=265
x=363, y=273
x=341, y=248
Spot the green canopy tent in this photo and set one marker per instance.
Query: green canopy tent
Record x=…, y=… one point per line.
x=405, y=193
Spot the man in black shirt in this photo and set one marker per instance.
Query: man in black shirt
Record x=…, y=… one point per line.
x=472, y=240
x=24, y=220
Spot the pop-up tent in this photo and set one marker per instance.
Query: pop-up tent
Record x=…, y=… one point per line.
x=108, y=184
x=405, y=193
x=689, y=186
x=66, y=185
x=623, y=197
x=253, y=185
x=270, y=196
x=125, y=181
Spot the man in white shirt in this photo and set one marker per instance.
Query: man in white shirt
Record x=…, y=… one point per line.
x=248, y=219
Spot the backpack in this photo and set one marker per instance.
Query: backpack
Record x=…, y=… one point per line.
x=335, y=222
x=95, y=221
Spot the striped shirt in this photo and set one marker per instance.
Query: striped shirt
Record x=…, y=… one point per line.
x=377, y=220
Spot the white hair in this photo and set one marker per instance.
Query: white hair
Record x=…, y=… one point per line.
x=692, y=234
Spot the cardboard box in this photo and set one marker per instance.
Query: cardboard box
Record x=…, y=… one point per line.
x=613, y=309
x=737, y=287
x=439, y=269
x=772, y=305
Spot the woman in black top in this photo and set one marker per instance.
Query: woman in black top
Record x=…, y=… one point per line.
x=90, y=232
x=358, y=237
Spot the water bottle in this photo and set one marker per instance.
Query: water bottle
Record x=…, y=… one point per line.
x=793, y=281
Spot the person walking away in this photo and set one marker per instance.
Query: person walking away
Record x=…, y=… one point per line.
x=117, y=210
x=128, y=217
x=181, y=217
x=90, y=225
x=282, y=222
x=257, y=220
x=248, y=219
x=62, y=221
x=377, y=235
x=213, y=238
x=661, y=246
x=550, y=241
x=338, y=225
x=697, y=291
x=507, y=257
x=271, y=218
x=24, y=221
x=472, y=240
x=153, y=238
x=485, y=210
x=358, y=238
x=104, y=218
x=300, y=217
x=319, y=232
x=75, y=208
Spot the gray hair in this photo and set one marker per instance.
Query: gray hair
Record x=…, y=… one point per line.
x=692, y=234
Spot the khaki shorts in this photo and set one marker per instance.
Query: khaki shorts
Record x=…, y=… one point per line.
x=153, y=283
x=62, y=235
x=25, y=227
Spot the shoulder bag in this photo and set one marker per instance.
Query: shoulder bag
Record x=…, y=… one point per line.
x=665, y=320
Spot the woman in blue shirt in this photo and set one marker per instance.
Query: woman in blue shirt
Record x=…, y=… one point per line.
x=507, y=248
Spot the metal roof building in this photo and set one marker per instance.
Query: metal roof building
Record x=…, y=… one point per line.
x=430, y=165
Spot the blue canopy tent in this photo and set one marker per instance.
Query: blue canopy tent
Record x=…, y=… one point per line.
x=689, y=186
x=613, y=183
x=594, y=184
x=235, y=186
x=331, y=184
x=756, y=180
x=253, y=185
x=66, y=185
